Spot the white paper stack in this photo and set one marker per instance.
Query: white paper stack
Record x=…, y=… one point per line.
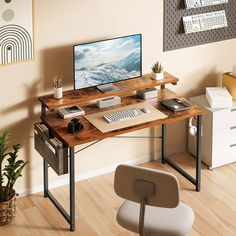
x=218, y=97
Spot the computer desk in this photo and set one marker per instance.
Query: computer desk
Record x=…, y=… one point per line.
x=90, y=134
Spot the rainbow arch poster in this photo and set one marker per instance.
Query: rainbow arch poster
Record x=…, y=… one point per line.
x=16, y=31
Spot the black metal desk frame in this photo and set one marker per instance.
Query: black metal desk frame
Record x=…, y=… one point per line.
x=70, y=218
x=165, y=159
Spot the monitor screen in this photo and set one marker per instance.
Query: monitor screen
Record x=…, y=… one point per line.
x=107, y=61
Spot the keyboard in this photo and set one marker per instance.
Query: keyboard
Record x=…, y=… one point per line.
x=206, y=21
x=203, y=3
x=126, y=114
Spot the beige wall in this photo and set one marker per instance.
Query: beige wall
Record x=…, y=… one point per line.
x=58, y=24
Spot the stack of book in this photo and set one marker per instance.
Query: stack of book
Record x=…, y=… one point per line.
x=218, y=97
x=54, y=144
x=70, y=112
x=42, y=129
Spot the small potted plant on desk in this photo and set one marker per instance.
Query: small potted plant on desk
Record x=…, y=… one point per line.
x=157, y=71
x=10, y=172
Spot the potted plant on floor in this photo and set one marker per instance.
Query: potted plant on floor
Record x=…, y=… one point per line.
x=157, y=71
x=9, y=173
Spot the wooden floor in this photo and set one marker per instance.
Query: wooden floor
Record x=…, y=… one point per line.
x=97, y=204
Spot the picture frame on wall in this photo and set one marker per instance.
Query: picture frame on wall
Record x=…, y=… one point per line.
x=16, y=31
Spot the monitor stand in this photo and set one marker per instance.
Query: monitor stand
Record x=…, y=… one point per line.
x=106, y=88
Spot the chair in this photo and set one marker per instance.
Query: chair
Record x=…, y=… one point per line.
x=152, y=207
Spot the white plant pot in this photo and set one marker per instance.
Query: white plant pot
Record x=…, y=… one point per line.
x=158, y=76
x=58, y=93
x=234, y=70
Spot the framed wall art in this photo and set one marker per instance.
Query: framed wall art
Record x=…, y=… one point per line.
x=16, y=31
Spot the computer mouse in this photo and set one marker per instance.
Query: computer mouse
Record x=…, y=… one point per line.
x=145, y=110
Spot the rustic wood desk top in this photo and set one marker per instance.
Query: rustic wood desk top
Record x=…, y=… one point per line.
x=90, y=133
x=84, y=95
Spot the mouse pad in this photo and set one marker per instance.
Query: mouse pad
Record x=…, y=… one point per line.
x=100, y=123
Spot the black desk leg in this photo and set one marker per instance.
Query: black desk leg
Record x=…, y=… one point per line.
x=163, y=139
x=45, y=164
x=43, y=110
x=163, y=144
x=198, y=159
x=165, y=159
x=45, y=177
x=72, y=189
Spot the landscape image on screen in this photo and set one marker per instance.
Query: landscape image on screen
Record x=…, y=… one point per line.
x=107, y=61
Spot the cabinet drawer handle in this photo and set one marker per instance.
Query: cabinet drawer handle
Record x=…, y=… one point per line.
x=234, y=109
x=233, y=145
x=233, y=127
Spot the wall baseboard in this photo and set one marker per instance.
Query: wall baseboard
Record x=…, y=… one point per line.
x=86, y=175
x=97, y=172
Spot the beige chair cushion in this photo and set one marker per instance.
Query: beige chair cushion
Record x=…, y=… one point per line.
x=158, y=221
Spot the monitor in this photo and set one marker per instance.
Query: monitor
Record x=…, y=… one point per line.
x=102, y=63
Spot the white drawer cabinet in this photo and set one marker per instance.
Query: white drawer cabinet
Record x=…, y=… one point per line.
x=218, y=134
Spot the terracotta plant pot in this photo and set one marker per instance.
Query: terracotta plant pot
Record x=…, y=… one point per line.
x=8, y=209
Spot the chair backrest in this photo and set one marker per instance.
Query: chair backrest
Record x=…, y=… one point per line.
x=161, y=188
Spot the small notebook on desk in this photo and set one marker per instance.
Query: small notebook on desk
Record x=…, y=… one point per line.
x=70, y=112
x=176, y=104
x=100, y=123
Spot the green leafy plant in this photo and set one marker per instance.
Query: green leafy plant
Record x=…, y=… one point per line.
x=157, y=67
x=12, y=169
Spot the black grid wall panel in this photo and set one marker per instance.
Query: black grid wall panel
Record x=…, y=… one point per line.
x=174, y=36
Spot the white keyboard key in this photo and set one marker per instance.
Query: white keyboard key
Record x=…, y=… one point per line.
x=203, y=3
x=206, y=21
x=125, y=114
